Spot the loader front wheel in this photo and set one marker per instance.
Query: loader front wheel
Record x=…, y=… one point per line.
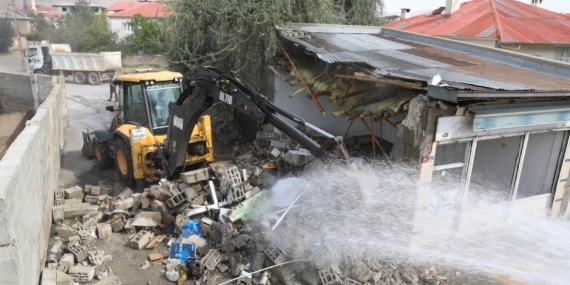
x=101, y=153
x=124, y=162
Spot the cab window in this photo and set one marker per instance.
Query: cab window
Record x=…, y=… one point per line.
x=133, y=105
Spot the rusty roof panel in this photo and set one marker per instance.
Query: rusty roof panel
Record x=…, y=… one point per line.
x=412, y=60
x=509, y=21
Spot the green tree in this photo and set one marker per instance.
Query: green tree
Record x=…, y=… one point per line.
x=148, y=36
x=6, y=34
x=43, y=30
x=85, y=31
x=240, y=35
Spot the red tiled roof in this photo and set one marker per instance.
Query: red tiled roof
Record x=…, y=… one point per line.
x=509, y=21
x=146, y=9
x=120, y=6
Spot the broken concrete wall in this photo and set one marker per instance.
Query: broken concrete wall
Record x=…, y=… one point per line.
x=16, y=94
x=416, y=133
x=29, y=174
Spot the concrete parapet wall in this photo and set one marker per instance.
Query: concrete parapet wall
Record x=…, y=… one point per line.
x=29, y=174
x=16, y=93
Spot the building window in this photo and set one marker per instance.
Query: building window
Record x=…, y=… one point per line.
x=64, y=9
x=127, y=27
x=562, y=54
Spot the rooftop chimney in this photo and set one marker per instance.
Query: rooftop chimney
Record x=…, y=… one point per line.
x=451, y=6
x=405, y=13
x=536, y=3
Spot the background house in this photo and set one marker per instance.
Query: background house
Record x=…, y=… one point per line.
x=506, y=24
x=64, y=8
x=121, y=13
x=24, y=24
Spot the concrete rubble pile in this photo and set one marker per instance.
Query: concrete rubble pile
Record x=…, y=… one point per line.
x=202, y=228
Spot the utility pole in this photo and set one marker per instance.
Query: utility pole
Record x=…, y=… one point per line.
x=22, y=55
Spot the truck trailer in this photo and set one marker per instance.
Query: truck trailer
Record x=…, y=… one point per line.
x=57, y=59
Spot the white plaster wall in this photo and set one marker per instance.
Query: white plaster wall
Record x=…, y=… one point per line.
x=116, y=25
x=305, y=108
x=29, y=174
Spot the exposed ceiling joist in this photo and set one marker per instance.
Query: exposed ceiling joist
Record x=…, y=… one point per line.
x=371, y=78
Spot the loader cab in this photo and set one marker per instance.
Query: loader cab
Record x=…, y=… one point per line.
x=144, y=99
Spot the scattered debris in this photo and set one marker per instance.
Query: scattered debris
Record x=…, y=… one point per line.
x=205, y=228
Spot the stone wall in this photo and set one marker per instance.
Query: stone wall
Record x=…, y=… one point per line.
x=29, y=174
x=16, y=93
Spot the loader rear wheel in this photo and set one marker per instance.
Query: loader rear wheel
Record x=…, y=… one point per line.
x=124, y=162
x=93, y=78
x=79, y=77
x=101, y=153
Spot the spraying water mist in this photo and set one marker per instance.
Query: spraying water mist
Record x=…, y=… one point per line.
x=368, y=211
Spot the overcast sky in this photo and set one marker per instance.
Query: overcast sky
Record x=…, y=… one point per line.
x=392, y=7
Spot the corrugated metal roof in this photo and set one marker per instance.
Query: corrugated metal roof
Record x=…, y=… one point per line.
x=509, y=21
x=410, y=60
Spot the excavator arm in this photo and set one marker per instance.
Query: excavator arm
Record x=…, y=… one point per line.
x=214, y=85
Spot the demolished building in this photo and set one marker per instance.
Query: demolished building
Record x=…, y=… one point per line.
x=474, y=121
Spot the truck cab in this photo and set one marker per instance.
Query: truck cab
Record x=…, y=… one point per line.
x=40, y=56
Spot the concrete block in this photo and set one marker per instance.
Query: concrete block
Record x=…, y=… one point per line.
x=129, y=228
x=73, y=201
x=195, y=176
x=86, y=237
x=196, y=199
x=278, y=144
x=200, y=243
x=81, y=273
x=329, y=277
x=176, y=200
x=65, y=231
x=57, y=213
x=78, y=210
x=74, y=192
x=158, y=205
x=349, y=281
x=93, y=190
x=117, y=224
x=140, y=240
x=91, y=199
x=127, y=193
x=74, y=239
x=95, y=258
x=58, y=202
x=276, y=254
x=104, y=231
x=297, y=157
x=55, y=277
x=211, y=259
x=67, y=259
x=237, y=193
x=197, y=188
x=146, y=219
x=124, y=204
x=159, y=193
x=78, y=251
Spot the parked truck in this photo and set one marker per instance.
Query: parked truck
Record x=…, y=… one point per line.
x=58, y=59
